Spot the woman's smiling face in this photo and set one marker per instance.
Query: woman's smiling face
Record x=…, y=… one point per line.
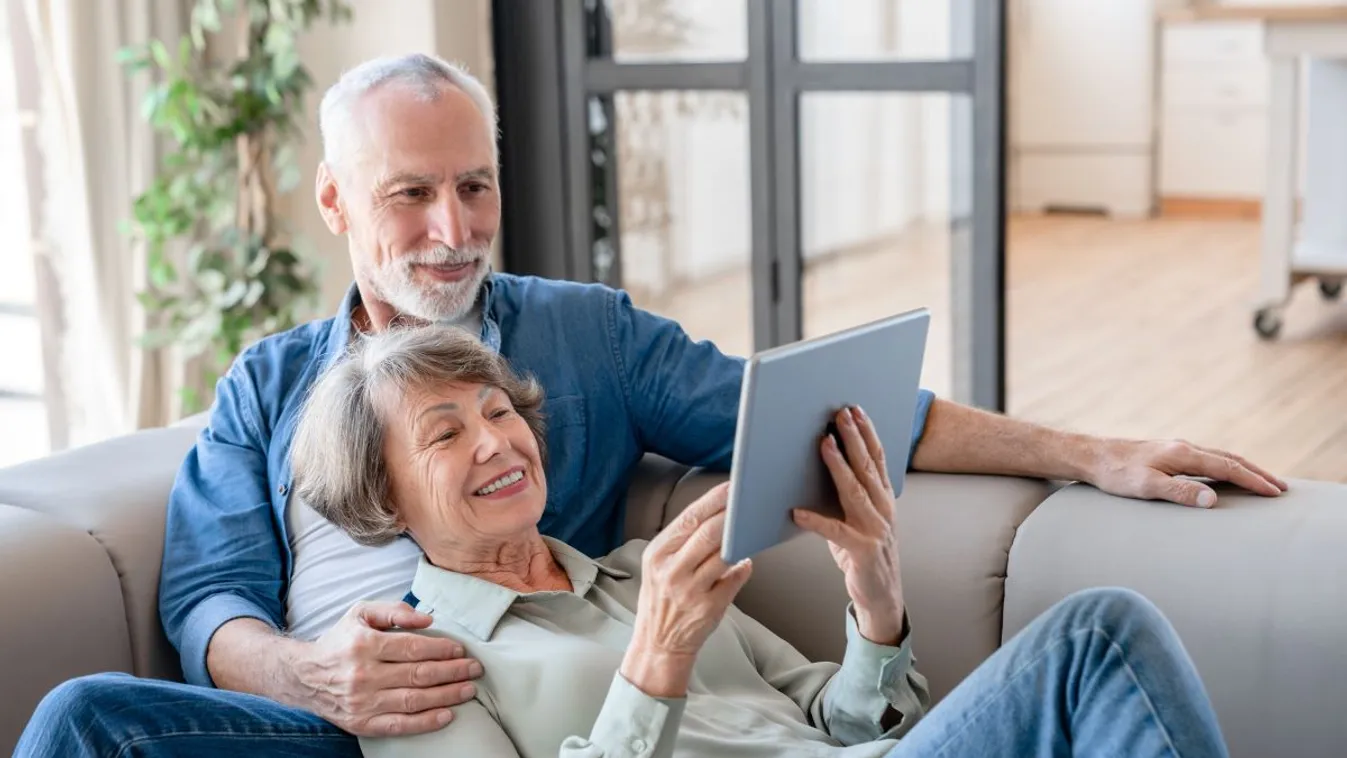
x=464, y=467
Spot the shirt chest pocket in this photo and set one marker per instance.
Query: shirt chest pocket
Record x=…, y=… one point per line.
x=567, y=449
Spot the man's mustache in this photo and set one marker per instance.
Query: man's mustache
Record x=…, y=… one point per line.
x=443, y=255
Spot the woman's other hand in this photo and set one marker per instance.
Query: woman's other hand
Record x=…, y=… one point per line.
x=863, y=542
x=685, y=590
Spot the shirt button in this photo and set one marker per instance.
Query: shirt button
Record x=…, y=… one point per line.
x=282, y=489
x=638, y=745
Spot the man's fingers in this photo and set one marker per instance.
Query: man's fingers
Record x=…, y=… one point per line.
x=1259, y=470
x=427, y=674
x=1185, y=492
x=414, y=700
x=397, y=724
x=402, y=647
x=1231, y=470
x=385, y=615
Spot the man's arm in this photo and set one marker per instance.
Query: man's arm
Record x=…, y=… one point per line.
x=963, y=440
x=684, y=394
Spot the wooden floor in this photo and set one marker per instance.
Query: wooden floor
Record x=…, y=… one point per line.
x=1120, y=328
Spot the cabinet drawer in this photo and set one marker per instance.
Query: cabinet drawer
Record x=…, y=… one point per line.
x=1215, y=85
x=1213, y=41
x=1213, y=153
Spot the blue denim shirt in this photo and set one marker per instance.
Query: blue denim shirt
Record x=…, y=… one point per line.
x=619, y=382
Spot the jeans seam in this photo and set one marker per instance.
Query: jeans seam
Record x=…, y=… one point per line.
x=944, y=747
x=1145, y=696
x=136, y=741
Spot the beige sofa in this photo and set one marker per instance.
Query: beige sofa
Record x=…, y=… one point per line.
x=1257, y=588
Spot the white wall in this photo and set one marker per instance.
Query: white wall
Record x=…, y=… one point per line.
x=454, y=29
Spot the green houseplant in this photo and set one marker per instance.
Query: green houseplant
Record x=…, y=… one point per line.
x=228, y=100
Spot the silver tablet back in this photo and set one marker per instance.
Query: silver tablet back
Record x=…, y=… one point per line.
x=789, y=395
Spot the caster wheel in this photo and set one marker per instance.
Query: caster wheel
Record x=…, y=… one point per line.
x=1331, y=289
x=1267, y=323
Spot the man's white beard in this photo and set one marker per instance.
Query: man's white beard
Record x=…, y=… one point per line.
x=395, y=283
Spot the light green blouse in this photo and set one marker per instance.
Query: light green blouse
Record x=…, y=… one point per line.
x=551, y=686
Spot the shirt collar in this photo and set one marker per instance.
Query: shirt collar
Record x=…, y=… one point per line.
x=478, y=605
x=339, y=338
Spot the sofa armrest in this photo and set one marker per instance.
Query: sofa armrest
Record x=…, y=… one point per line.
x=117, y=492
x=63, y=614
x=955, y=534
x=1255, y=588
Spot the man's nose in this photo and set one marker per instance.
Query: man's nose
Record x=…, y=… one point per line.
x=450, y=222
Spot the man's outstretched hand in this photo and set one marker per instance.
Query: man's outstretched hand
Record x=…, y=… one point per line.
x=1156, y=470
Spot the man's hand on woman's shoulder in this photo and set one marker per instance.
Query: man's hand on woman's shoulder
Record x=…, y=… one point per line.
x=370, y=677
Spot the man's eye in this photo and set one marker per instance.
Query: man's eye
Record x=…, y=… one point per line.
x=415, y=193
x=476, y=188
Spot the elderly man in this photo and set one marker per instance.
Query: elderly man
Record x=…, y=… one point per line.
x=284, y=624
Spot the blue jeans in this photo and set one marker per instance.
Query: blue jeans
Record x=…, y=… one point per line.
x=1100, y=674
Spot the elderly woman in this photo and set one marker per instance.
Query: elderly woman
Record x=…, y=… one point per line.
x=425, y=433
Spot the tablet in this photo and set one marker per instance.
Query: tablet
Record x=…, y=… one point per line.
x=790, y=395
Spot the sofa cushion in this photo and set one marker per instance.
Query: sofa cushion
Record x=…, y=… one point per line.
x=1256, y=588
x=63, y=614
x=116, y=491
x=955, y=534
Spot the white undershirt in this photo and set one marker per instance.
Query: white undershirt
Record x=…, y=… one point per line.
x=332, y=571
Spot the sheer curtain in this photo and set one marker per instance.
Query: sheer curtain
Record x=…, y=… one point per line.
x=97, y=155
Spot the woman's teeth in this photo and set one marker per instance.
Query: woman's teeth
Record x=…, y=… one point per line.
x=504, y=481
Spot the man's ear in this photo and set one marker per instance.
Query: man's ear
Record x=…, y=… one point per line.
x=328, y=196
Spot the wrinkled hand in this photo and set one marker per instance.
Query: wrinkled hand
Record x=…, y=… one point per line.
x=685, y=590
x=371, y=681
x=863, y=543
x=1151, y=470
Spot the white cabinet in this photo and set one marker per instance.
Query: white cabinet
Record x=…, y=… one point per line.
x=1081, y=102
x=1213, y=110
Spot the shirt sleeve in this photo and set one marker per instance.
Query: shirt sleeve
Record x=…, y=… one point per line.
x=684, y=394
x=876, y=692
x=631, y=724
x=222, y=560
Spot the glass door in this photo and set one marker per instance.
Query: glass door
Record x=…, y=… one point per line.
x=767, y=170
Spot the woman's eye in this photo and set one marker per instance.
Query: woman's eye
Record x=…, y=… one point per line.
x=500, y=413
x=446, y=436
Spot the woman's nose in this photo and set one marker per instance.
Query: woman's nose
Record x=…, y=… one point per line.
x=490, y=443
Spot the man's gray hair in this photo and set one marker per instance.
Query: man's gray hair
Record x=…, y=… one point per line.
x=338, y=453
x=425, y=76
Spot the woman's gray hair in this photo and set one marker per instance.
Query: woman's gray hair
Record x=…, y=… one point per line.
x=425, y=76
x=338, y=452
